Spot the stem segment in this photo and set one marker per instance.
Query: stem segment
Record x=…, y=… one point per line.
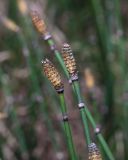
x=82, y=112
x=67, y=128
x=88, y=114
x=57, y=54
x=77, y=92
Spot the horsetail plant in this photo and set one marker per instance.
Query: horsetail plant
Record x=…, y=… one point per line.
x=42, y=29
x=70, y=63
x=47, y=37
x=52, y=74
x=71, y=67
x=11, y=25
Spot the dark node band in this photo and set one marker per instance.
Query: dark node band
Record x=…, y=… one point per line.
x=59, y=91
x=97, y=130
x=81, y=105
x=74, y=77
x=46, y=36
x=65, y=118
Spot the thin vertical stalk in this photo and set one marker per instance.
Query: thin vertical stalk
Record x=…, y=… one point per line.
x=51, y=44
x=106, y=51
x=123, y=68
x=99, y=135
x=101, y=25
x=82, y=113
x=67, y=128
x=88, y=114
x=85, y=126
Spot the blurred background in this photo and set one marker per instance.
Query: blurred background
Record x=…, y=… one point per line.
x=30, y=117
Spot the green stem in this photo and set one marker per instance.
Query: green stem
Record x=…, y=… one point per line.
x=67, y=129
x=88, y=114
x=121, y=51
x=105, y=146
x=104, y=40
x=58, y=56
x=82, y=112
x=85, y=124
x=99, y=135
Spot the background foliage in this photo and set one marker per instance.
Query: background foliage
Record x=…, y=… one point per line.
x=30, y=119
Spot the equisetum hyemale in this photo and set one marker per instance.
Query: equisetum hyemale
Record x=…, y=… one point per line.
x=84, y=112
x=53, y=75
x=72, y=73
x=70, y=64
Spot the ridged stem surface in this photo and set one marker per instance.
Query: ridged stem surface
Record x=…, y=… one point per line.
x=67, y=129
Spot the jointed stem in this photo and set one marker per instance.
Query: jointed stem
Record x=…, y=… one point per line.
x=67, y=128
x=85, y=125
x=86, y=111
x=58, y=56
x=82, y=113
x=89, y=116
